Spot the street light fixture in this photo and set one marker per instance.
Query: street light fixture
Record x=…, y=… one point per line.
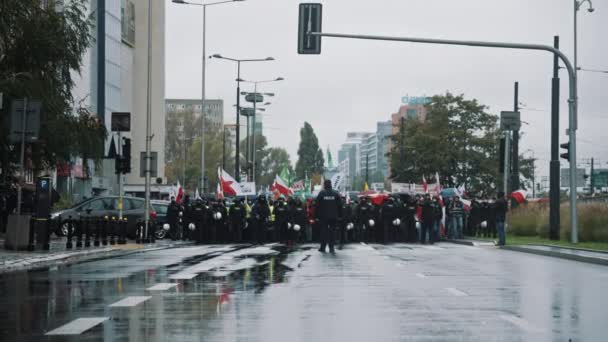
x=237, y=171
x=203, y=76
x=255, y=91
x=577, y=6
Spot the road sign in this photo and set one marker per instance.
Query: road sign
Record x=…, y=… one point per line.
x=257, y=97
x=309, y=21
x=121, y=122
x=600, y=178
x=510, y=121
x=32, y=121
x=247, y=111
x=580, y=178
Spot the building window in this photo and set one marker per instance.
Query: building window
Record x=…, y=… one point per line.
x=412, y=113
x=127, y=11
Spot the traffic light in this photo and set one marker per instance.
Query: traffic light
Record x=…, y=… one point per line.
x=309, y=21
x=123, y=162
x=565, y=146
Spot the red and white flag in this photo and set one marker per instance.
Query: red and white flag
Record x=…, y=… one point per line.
x=425, y=186
x=219, y=194
x=437, y=183
x=519, y=196
x=280, y=187
x=179, y=193
x=228, y=185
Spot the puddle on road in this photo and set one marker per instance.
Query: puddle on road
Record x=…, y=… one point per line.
x=35, y=302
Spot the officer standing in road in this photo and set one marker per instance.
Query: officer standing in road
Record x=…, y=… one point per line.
x=237, y=218
x=329, y=210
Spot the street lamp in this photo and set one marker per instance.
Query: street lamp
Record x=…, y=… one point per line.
x=255, y=92
x=237, y=171
x=203, y=77
x=577, y=6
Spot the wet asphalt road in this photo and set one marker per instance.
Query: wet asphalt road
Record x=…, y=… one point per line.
x=398, y=292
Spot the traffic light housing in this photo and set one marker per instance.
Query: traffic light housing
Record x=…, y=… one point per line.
x=123, y=162
x=309, y=21
x=566, y=155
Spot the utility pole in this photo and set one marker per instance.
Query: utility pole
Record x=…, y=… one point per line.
x=591, y=178
x=367, y=169
x=515, y=153
x=554, y=180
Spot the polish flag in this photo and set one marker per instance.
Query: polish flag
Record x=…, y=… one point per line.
x=280, y=186
x=219, y=194
x=519, y=196
x=228, y=185
x=425, y=186
x=179, y=193
x=437, y=183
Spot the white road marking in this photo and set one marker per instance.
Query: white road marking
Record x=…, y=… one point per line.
x=130, y=301
x=162, y=286
x=399, y=264
x=180, y=276
x=386, y=257
x=435, y=248
x=522, y=323
x=456, y=292
x=420, y=275
x=77, y=326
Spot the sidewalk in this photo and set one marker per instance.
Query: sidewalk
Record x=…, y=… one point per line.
x=11, y=261
x=570, y=253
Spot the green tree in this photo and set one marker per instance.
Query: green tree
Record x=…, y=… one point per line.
x=41, y=49
x=276, y=159
x=310, y=156
x=458, y=140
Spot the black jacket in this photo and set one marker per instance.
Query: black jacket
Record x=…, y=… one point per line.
x=329, y=205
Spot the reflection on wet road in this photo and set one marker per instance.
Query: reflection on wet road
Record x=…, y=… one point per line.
x=272, y=293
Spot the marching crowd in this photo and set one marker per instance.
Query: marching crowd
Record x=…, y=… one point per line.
x=394, y=218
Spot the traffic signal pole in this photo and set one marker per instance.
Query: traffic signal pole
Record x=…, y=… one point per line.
x=572, y=101
x=554, y=180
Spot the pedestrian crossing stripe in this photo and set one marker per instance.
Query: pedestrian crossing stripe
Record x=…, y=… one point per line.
x=456, y=292
x=130, y=301
x=78, y=326
x=162, y=286
x=182, y=276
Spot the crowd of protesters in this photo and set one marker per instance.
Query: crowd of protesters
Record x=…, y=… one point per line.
x=389, y=218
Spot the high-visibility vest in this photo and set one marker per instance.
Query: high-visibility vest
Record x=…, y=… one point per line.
x=247, y=210
x=272, y=213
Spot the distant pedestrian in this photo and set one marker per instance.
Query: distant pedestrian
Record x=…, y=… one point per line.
x=456, y=211
x=428, y=219
x=329, y=210
x=500, y=211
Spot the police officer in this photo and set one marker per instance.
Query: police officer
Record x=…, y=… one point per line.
x=172, y=216
x=344, y=222
x=282, y=221
x=329, y=210
x=237, y=218
x=260, y=215
x=298, y=217
x=364, y=215
x=388, y=213
x=197, y=215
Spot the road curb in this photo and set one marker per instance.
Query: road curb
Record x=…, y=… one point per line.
x=80, y=258
x=581, y=258
x=460, y=242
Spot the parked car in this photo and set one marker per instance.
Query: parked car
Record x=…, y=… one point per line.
x=100, y=207
x=161, y=208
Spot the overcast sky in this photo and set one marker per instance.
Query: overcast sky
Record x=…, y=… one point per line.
x=353, y=84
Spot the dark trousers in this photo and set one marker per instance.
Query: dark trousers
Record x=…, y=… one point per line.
x=259, y=231
x=426, y=227
x=328, y=228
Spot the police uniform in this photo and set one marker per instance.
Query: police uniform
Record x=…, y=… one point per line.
x=329, y=210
